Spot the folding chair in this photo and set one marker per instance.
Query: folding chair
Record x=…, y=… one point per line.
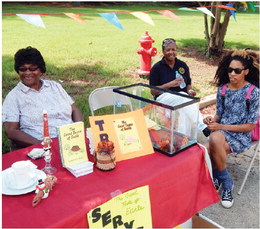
x=255, y=148
x=104, y=97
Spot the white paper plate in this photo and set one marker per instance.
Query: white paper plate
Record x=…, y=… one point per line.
x=7, y=190
x=13, y=185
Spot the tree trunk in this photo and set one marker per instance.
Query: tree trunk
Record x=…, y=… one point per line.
x=215, y=38
x=223, y=30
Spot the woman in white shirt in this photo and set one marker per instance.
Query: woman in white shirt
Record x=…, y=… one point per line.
x=23, y=106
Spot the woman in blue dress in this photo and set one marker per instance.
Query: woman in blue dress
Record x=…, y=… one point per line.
x=234, y=120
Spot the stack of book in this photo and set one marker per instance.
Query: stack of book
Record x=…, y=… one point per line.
x=81, y=169
x=73, y=149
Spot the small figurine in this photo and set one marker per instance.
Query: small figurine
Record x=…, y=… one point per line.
x=105, y=155
x=43, y=189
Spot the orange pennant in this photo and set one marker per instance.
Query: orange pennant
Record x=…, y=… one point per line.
x=225, y=7
x=169, y=14
x=75, y=17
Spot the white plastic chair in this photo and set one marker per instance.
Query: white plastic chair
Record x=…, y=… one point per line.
x=104, y=96
x=255, y=148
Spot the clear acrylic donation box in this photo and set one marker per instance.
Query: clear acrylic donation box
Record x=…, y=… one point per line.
x=171, y=118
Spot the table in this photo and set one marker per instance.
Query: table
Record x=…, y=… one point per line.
x=179, y=186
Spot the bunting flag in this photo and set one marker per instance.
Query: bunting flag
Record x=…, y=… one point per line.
x=245, y=4
x=169, y=14
x=232, y=11
x=206, y=11
x=113, y=19
x=75, y=17
x=32, y=19
x=227, y=7
x=187, y=9
x=36, y=20
x=145, y=17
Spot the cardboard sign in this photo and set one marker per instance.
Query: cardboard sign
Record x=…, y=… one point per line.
x=128, y=132
x=128, y=210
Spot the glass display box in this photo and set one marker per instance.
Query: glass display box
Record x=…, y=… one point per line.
x=171, y=117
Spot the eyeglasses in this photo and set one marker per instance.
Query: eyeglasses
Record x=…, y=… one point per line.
x=30, y=69
x=236, y=70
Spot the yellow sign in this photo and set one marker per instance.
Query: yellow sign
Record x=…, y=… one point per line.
x=128, y=132
x=72, y=144
x=127, y=135
x=128, y=210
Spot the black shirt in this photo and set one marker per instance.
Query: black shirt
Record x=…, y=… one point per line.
x=162, y=73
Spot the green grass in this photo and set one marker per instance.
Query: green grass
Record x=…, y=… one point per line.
x=98, y=53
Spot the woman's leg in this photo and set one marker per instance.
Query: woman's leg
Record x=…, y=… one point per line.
x=219, y=149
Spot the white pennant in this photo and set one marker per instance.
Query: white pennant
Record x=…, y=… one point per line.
x=32, y=19
x=206, y=11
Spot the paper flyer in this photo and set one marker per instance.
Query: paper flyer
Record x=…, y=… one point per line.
x=131, y=209
x=127, y=135
x=128, y=131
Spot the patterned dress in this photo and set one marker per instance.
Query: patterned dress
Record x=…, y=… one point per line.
x=232, y=110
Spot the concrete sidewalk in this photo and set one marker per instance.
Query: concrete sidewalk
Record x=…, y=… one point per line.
x=245, y=211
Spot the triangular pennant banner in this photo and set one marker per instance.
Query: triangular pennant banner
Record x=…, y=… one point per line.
x=225, y=7
x=75, y=17
x=245, y=4
x=32, y=19
x=113, y=19
x=145, y=17
x=232, y=11
x=206, y=11
x=187, y=9
x=169, y=14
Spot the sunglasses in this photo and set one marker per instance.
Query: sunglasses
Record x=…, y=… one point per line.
x=236, y=70
x=30, y=69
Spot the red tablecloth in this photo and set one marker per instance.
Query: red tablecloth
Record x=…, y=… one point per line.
x=179, y=186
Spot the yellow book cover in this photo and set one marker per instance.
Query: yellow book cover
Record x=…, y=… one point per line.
x=72, y=144
x=128, y=132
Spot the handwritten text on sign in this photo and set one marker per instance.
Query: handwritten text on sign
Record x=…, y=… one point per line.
x=128, y=210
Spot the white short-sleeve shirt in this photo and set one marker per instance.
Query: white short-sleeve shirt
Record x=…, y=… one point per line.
x=25, y=105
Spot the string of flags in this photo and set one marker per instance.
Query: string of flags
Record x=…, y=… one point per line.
x=35, y=19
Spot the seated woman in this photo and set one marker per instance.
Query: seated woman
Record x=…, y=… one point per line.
x=23, y=106
x=173, y=74
x=234, y=120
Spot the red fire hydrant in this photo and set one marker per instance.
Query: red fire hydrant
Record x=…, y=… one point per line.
x=146, y=51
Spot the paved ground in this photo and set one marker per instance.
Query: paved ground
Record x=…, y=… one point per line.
x=245, y=211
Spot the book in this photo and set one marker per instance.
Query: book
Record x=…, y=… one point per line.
x=72, y=144
x=128, y=132
x=81, y=168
